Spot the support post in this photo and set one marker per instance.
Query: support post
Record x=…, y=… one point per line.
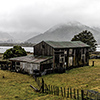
x=42, y=85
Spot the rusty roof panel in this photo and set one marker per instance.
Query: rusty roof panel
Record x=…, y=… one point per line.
x=31, y=59
x=66, y=44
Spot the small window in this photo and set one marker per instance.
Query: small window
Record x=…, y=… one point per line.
x=83, y=56
x=70, y=61
x=70, y=51
x=65, y=52
x=43, y=46
x=61, y=60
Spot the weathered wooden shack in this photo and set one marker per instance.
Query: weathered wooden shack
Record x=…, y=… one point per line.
x=52, y=54
x=64, y=53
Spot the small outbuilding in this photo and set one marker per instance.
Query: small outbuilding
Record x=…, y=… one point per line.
x=29, y=63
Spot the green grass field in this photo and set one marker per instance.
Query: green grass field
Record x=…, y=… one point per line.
x=16, y=86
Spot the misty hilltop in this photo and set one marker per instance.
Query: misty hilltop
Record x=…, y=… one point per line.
x=22, y=36
x=65, y=32
x=60, y=32
x=16, y=37
x=5, y=37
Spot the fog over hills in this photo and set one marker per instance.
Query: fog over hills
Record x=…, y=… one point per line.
x=22, y=36
x=12, y=37
x=5, y=37
x=60, y=32
x=65, y=32
x=21, y=19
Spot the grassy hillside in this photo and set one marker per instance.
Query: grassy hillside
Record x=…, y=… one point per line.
x=16, y=86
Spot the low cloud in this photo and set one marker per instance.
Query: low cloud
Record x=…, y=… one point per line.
x=37, y=15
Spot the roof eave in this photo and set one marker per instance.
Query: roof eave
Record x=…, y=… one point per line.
x=69, y=47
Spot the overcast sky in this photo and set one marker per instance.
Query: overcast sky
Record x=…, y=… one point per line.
x=40, y=15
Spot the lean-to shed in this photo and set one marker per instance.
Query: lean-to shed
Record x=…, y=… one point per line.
x=30, y=63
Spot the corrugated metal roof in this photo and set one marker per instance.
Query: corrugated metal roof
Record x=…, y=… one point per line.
x=66, y=44
x=31, y=59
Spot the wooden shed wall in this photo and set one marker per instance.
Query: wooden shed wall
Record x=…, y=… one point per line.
x=43, y=49
x=71, y=57
x=29, y=67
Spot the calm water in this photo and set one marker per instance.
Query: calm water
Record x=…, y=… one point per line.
x=98, y=48
x=4, y=48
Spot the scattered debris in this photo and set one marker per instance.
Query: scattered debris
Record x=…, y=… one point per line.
x=35, y=88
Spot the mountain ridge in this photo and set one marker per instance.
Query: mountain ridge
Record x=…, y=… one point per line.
x=64, y=32
x=59, y=32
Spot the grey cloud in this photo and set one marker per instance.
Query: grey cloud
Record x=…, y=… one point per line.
x=39, y=16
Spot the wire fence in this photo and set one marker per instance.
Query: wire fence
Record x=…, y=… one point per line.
x=67, y=92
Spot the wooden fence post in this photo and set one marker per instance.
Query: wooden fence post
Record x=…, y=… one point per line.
x=74, y=94
x=77, y=94
x=71, y=92
x=68, y=93
x=64, y=92
x=82, y=94
x=61, y=92
x=42, y=85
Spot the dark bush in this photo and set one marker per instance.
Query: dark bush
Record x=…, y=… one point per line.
x=16, y=51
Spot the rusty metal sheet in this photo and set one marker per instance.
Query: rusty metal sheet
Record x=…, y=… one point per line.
x=66, y=44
